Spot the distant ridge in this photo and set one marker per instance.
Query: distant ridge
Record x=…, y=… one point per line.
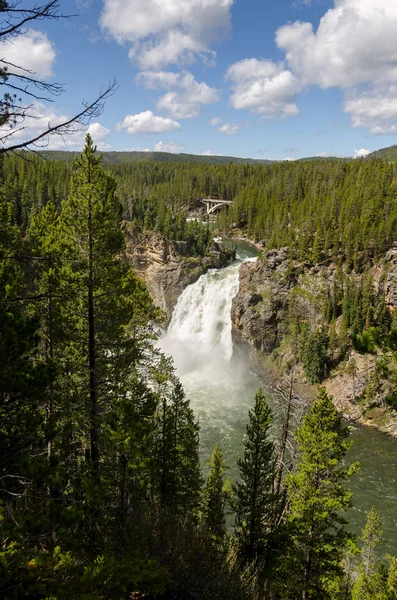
x=306, y=159
x=389, y=153
x=115, y=157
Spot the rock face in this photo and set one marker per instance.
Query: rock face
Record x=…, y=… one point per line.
x=164, y=266
x=269, y=290
x=275, y=288
x=390, y=269
x=258, y=308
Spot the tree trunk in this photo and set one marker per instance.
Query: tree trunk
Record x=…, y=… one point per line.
x=284, y=439
x=92, y=358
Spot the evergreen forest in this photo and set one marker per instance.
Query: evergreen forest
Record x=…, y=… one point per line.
x=321, y=209
x=102, y=493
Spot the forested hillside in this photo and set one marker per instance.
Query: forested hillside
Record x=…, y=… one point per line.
x=102, y=494
x=114, y=157
x=389, y=153
x=320, y=208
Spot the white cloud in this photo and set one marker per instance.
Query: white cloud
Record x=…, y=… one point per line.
x=353, y=48
x=208, y=153
x=167, y=32
x=98, y=132
x=215, y=121
x=375, y=109
x=323, y=154
x=263, y=87
x=154, y=80
x=231, y=129
x=289, y=159
x=99, y=135
x=355, y=43
x=168, y=147
x=32, y=51
x=147, y=122
x=362, y=153
x=179, y=105
x=40, y=117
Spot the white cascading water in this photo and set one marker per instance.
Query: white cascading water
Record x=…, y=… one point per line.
x=199, y=338
x=202, y=315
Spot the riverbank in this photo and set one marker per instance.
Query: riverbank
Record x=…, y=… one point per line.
x=274, y=376
x=238, y=235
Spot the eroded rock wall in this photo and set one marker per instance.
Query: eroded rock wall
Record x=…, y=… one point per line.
x=275, y=288
x=166, y=267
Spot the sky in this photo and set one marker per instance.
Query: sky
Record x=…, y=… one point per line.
x=263, y=79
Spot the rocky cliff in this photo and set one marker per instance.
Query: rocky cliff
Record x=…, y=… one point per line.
x=276, y=290
x=166, y=267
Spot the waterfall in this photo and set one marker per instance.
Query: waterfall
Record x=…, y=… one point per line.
x=219, y=385
x=199, y=336
x=202, y=314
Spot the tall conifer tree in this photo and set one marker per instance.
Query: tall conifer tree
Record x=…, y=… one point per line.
x=103, y=299
x=254, y=502
x=214, y=496
x=318, y=498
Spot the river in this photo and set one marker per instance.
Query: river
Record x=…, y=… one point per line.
x=221, y=388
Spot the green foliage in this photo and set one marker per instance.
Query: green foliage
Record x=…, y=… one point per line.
x=313, y=354
x=58, y=575
x=177, y=475
x=373, y=578
x=254, y=502
x=101, y=489
x=366, y=342
x=320, y=209
x=80, y=410
x=318, y=499
x=214, y=496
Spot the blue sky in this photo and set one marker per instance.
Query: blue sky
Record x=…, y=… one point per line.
x=252, y=78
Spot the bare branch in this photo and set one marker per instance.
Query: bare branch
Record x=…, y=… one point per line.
x=90, y=111
x=26, y=91
x=23, y=16
x=53, y=88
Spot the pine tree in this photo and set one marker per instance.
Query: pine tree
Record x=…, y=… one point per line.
x=254, y=502
x=105, y=311
x=317, y=499
x=371, y=582
x=43, y=235
x=24, y=380
x=176, y=469
x=314, y=355
x=214, y=496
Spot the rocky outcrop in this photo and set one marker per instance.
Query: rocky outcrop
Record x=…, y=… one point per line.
x=275, y=289
x=389, y=268
x=166, y=267
x=258, y=308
